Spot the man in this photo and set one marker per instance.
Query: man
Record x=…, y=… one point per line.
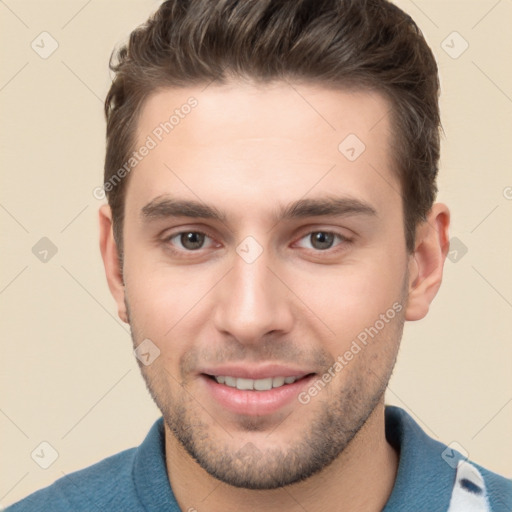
x=271, y=176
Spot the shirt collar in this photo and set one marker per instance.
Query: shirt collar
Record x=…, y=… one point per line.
x=424, y=480
x=150, y=472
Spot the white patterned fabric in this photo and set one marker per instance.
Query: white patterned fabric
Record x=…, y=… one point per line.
x=469, y=493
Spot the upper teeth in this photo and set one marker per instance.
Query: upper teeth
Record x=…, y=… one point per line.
x=257, y=384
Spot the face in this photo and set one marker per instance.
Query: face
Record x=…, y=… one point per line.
x=263, y=249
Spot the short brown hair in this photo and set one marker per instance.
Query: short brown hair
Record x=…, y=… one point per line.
x=369, y=44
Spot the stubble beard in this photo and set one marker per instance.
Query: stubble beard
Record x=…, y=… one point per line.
x=338, y=419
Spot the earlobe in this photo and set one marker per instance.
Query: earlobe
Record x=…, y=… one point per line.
x=427, y=261
x=110, y=256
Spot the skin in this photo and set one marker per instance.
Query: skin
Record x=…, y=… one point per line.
x=247, y=150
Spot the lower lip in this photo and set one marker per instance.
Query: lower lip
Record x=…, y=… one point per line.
x=255, y=403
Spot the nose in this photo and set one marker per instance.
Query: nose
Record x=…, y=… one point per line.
x=251, y=302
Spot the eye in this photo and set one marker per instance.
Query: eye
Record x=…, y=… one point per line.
x=321, y=240
x=188, y=240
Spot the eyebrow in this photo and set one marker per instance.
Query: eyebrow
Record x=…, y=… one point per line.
x=333, y=206
x=163, y=207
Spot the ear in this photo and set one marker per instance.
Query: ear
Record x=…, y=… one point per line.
x=426, y=263
x=110, y=256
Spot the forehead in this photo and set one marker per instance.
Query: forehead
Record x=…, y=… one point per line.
x=244, y=110
x=250, y=142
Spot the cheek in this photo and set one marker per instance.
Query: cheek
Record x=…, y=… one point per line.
x=163, y=299
x=348, y=299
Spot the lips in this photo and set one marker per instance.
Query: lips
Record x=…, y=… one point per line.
x=255, y=390
x=256, y=372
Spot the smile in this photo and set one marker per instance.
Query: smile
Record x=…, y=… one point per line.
x=255, y=384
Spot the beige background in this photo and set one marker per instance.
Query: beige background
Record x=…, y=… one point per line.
x=68, y=376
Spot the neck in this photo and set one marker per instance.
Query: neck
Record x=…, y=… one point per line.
x=361, y=478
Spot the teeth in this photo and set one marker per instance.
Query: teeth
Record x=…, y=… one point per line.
x=230, y=381
x=244, y=384
x=263, y=384
x=277, y=382
x=255, y=384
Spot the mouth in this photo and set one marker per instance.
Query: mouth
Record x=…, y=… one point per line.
x=255, y=396
x=266, y=384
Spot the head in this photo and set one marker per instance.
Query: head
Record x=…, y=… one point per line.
x=281, y=222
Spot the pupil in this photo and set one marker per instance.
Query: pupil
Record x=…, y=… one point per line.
x=322, y=240
x=192, y=240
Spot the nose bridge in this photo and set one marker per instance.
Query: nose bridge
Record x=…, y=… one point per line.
x=251, y=303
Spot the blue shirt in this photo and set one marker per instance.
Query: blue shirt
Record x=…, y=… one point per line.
x=431, y=478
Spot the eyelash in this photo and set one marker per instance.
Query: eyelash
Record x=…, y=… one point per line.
x=343, y=240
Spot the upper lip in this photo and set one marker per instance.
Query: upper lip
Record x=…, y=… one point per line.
x=256, y=372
